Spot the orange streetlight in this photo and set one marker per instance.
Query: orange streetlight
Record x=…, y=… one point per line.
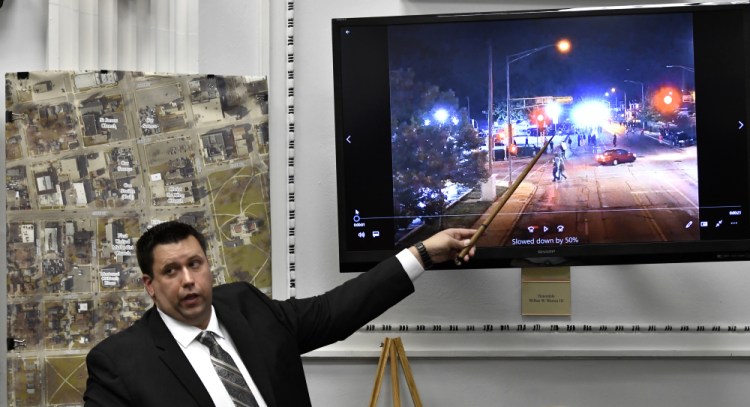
x=563, y=46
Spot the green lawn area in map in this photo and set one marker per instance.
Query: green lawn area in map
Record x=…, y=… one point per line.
x=243, y=263
x=234, y=193
x=227, y=188
x=65, y=379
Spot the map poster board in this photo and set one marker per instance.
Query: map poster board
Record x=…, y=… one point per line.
x=93, y=159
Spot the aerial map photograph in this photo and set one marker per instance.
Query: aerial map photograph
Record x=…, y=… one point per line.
x=92, y=160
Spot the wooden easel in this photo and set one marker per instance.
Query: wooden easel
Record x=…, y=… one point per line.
x=393, y=348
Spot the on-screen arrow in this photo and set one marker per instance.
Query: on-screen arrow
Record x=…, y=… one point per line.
x=348, y=139
x=741, y=124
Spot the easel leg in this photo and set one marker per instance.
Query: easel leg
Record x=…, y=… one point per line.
x=394, y=374
x=394, y=349
x=407, y=372
x=380, y=372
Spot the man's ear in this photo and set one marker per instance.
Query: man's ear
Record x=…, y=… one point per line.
x=147, y=280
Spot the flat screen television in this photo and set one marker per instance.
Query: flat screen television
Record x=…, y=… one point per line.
x=647, y=109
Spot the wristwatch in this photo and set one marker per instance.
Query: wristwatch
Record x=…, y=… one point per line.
x=426, y=259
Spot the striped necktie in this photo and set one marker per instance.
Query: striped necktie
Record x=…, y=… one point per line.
x=230, y=376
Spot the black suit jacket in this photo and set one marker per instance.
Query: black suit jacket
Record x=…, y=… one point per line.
x=144, y=366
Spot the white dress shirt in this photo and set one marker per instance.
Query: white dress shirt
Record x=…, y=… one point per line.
x=200, y=358
x=410, y=263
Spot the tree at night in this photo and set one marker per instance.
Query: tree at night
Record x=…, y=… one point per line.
x=517, y=113
x=433, y=144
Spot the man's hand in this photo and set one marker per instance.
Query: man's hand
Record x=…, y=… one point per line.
x=446, y=244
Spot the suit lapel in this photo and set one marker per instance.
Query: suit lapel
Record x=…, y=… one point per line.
x=246, y=342
x=172, y=356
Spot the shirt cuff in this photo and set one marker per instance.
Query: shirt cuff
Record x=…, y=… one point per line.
x=411, y=265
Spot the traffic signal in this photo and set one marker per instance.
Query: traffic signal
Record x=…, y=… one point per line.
x=539, y=117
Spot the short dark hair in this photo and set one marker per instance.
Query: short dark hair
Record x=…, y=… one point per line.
x=163, y=233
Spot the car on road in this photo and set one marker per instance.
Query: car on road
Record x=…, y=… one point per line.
x=615, y=156
x=681, y=139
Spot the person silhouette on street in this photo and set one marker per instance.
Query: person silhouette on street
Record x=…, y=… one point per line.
x=557, y=166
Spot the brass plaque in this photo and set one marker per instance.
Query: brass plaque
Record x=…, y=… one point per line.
x=545, y=291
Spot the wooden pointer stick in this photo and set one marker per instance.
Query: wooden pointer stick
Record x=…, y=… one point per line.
x=503, y=199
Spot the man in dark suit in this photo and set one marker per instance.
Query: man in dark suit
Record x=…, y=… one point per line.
x=159, y=361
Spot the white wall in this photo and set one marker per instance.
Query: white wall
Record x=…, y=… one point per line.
x=699, y=293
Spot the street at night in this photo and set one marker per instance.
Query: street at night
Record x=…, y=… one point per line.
x=652, y=199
